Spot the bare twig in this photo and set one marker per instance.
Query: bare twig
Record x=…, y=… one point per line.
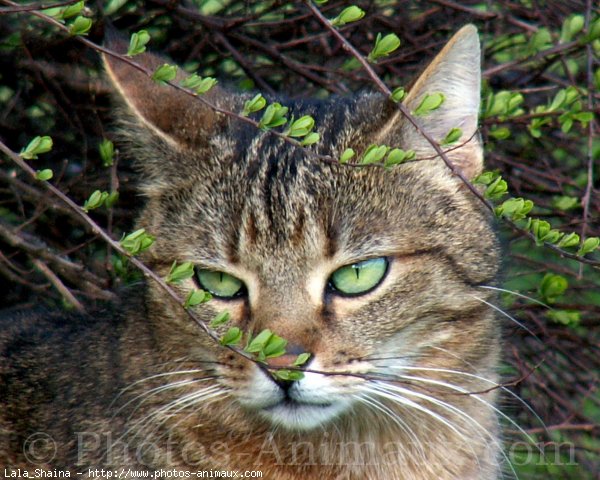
x=34, y=6
x=587, y=197
x=53, y=278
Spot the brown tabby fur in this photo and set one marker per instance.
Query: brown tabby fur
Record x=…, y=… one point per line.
x=231, y=198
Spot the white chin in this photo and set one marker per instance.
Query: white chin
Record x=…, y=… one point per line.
x=302, y=416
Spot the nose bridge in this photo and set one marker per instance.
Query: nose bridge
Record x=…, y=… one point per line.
x=287, y=311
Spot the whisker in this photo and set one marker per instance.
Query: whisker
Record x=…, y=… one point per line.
x=516, y=294
x=157, y=390
x=380, y=388
x=164, y=409
x=507, y=315
x=368, y=400
x=451, y=408
x=206, y=400
x=152, y=377
x=501, y=387
x=475, y=396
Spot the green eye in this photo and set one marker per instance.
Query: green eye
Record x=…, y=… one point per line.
x=359, y=278
x=220, y=284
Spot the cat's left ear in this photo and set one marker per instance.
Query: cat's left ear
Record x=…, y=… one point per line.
x=173, y=115
x=456, y=74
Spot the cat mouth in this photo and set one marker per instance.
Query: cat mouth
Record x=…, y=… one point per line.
x=296, y=415
x=290, y=403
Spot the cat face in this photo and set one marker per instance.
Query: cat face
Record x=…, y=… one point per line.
x=374, y=272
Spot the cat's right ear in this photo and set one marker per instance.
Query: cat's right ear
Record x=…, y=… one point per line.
x=175, y=116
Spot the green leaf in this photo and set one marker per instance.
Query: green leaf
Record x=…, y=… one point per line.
x=54, y=12
x=539, y=41
x=565, y=317
x=302, y=126
x=137, y=43
x=373, y=154
x=111, y=199
x=583, y=117
x=398, y=94
x=486, y=178
x=310, y=139
x=275, y=347
x=593, y=31
x=452, y=136
x=552, y=286
x=347, y=155
x=164, y=73
x=496, y=189
x=571, y=27
x=384, y=46
x=113, y=6
x=196, y=297
x=205, y=85
x=179, y=273
x=137, y=241
x=80, y=26
x=558, y=101
x=95, y=200
x=539, y=228
x=254, y=105
x=543, y=232
x=301, y=359
x=514, y=209
x=569, y=240
x=198, y=84
x=429, y=103
x=348, y=15
x=503, y=103
x=220, y=319
x=565, y=202
x=257, y=344
x=36, y=147
x=291, y=375
x=500, y=133
x=274, y=116
x=566, y=124
x=107, y=152
x=44, y=175
x=233, y=336
x=72, y=10
x=396, y=157
x=62, y=13
x=589, y=245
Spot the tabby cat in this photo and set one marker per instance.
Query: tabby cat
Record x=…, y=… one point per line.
x=377, y=273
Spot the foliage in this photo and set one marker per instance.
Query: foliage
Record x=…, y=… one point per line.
x=539, y=123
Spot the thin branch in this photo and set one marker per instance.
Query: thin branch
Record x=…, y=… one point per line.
x=34, y=6
x=54, y=280
x=587, y=197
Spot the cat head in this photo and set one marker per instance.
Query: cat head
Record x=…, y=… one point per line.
x=372, y=271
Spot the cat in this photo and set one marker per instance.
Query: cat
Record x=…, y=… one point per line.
x=374, y=272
